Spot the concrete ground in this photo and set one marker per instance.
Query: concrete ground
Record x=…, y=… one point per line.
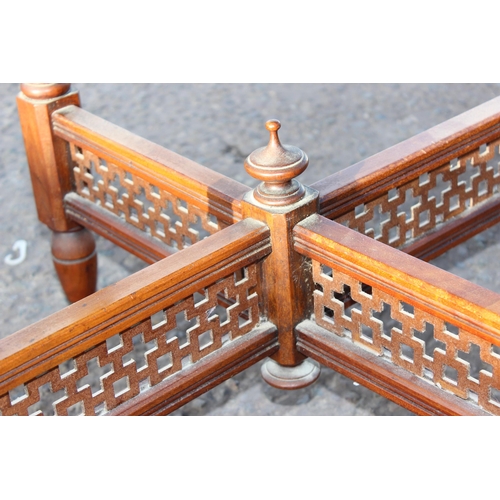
x=218, y=125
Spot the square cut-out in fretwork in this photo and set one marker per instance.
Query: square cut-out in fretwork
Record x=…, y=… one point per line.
x=121, y=386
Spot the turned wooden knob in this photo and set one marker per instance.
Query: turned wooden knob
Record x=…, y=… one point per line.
x=277, y=165
x=44, y=90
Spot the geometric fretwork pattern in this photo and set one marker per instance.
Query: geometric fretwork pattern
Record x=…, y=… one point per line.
x=155, y=211
x=409, y=211
x=435, y=350
x=131, y=362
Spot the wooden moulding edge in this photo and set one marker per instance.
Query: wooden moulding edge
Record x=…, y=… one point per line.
x=403, y=162
x=114, y=229
x=45, y=344
x=455, y=231
x=372, y=371
x=161, y=167
x=183, y=386
x=403, y=276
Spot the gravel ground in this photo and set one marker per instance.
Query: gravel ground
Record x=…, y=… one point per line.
x=218, y=125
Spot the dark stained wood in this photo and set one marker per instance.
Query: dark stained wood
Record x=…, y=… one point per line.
x=45, y=344
x=378, y=174
x=88, y=173
x=204, y=375
x=441, y=293
x=115, y=229
x=390, y=381
x=184, y=178
x=75, y=261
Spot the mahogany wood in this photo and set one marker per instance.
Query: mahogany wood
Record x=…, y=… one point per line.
x=292, y=283
x=207, y=373
x=186, y=179
x=285, y=278
x=47, y=155
x=440, y=292
x=380, y=173
x=459, y=313
x=115, y=229
x=373, y=372
x=44, y=345
x=75, y=261
x=51, y=180
x=281, y=204
x=277, y=166
x=450, y=235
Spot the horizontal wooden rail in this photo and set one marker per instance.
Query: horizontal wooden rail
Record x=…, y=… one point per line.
x=370, y=178
x=116, y=230
x=188, y=384
x=374, y=372
x=457, y=231
x=202, y=187
x=418, y=294
x=441, y=293
x=44, y=345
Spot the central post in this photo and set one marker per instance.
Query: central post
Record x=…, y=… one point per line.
x=281, y=201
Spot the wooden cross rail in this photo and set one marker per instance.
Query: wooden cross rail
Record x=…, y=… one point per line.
x=331, y=274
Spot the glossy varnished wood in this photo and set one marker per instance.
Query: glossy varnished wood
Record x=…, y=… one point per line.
x=75, y=261
x=47, y=155
x=48, y=160
x=378, y=174
x=219, y=235
x=373, y=372
x=35, y=349
x=372, y=277
x=203, y=187
x=281, y=202
x=440, y=292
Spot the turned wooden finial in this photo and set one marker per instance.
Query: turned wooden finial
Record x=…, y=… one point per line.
x=277, y=165
x=44, y=90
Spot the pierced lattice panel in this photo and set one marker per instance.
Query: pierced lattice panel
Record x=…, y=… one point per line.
x=131, y=362
x=437, y=351
x=155, y=211
x=413, y=209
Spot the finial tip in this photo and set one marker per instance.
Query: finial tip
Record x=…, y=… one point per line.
x=273, y=125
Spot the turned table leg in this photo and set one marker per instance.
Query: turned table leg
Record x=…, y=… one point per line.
x=75, y=261
x=73, y=247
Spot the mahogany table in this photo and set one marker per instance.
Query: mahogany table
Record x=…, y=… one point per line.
x=332, y=274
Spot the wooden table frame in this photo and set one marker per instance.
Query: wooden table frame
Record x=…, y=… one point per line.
x=331, y=274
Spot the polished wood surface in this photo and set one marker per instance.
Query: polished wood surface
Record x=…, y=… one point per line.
x=75, y=261
x=379, y=173
x=186, y=179
x=413, y=315
x=46, y=154
x=334, y=272
x=373, y=372
x=33, y=350
x=51, y=180
x=438, y=291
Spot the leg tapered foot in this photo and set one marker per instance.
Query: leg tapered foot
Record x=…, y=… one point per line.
x=290, y=377
x=75, y=261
